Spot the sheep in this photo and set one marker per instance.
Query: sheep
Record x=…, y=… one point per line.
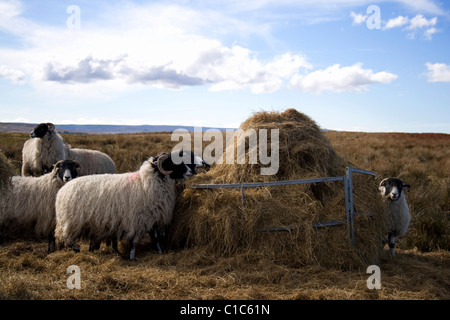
x=398, y=216
x=30, y=201
x=122, y=206
x=46, y=147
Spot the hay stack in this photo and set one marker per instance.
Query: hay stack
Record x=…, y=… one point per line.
x=217, y=218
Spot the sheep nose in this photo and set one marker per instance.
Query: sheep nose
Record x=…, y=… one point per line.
x=67, y=178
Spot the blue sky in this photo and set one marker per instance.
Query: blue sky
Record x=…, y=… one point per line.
x=214, y=63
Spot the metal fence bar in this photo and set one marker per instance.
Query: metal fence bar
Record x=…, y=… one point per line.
x=316, y=225
x=362, y=171
x=349, y=211
x=349, y=204
x=265, y=184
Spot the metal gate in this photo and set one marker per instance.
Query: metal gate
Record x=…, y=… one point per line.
x=348, y=186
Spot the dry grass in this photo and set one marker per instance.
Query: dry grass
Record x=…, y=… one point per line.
x=419, y=271
x=27, y=272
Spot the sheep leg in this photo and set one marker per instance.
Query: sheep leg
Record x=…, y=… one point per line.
x=392, y=244
x=51, y=242
x=133, y=243
x=94, y=245
x=74, y=247
x=383, y=241
x=155, y=236
x=114, y=245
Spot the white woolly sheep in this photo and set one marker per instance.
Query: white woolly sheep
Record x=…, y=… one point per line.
x=46, y=147
x=30, y=202
x=122, y=206
x=398, y=216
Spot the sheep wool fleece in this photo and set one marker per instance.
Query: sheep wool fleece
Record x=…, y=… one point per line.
x=31, y=201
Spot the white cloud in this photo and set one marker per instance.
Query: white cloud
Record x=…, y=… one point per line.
x=419, y=21
x=340, y=79
x=163, y=46
x=428, y=6
x=429, y=32
x=358, y=18
x=413, y=25
x=14, y=75
x=438, y=72
x=396, y=22
x=10, y=9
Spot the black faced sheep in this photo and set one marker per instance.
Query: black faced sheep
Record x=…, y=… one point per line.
x=398, y=216
x=46, y=147
x=30, y=202
x=122, y=206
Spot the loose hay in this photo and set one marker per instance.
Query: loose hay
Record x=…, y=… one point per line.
x=218, y=219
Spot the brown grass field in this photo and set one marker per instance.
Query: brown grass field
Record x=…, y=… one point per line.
x=421, y=269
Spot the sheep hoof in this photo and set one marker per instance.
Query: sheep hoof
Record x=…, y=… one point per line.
x=51, y=248
x=133, y=243
x=75, y=248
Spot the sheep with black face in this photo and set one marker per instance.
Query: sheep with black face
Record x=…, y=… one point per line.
x=46, y=147
x=122, y=206
x=398, y=215
x=29, y=202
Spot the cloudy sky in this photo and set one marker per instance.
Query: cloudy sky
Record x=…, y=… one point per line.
x=349, y=64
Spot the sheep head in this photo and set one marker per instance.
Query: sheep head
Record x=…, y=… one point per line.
x=179, y=164
x=66, y=170
x=391, y=188
x=42, y=129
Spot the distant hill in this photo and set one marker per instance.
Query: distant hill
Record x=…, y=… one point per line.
x=95, y=128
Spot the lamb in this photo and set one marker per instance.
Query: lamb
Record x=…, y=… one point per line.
x=398, y=215
x=122, y=206
x=30, y=201
x=47, y=147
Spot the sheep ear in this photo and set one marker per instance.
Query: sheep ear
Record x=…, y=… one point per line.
x=406, y=186
x=77, y=164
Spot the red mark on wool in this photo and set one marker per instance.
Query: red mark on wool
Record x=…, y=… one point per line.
x=134, y=176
